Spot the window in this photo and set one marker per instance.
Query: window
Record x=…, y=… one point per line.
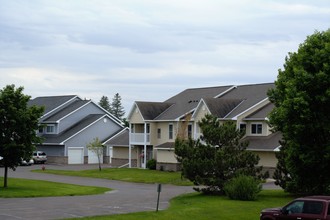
x=50, y=129
x=295, y=207
x=41, y=129
x=159, y=133
x=313, y=207
x=170, y=131
x=189, y=130
x=242, y=127
x=256, y=129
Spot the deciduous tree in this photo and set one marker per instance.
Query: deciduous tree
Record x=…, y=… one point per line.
x=18, y=126
x=97, y=148
x=301, y=113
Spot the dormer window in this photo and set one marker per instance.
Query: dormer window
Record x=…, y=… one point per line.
x=256, y=128
x=50, y=129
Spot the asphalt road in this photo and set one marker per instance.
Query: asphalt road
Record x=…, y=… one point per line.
x=125, y=197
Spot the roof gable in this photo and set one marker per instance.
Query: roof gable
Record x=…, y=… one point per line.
x=150, y=110
x=221, y=107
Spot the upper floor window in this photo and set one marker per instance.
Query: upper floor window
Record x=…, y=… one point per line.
x=170, y=131
x=256, y=129
x=242, y=127
x=50, y=129
x=190, y=131
x=159, y=133
x=148, y=128
x=41, y=130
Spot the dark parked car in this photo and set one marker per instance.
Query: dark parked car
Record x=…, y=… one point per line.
x=311, y=207
x=39, y=157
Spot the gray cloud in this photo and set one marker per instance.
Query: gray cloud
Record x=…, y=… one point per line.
x=149, y=50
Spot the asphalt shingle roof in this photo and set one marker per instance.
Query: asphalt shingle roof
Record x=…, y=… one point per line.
x=224, y=101
x=121, y=139
x=51, y=102
x=264, y=143
x=251, y=94
x=221, y=107
x=262, y=113
x=66, y=110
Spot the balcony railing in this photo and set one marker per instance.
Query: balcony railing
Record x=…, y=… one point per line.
x=139, y=138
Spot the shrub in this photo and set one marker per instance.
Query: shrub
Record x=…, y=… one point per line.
x=242, y=188
x=151, y=164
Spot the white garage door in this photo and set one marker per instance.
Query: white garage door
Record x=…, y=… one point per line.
x=92, y=157
x=76, y=155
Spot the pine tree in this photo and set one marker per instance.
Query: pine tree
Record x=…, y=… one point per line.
x=116, y=107
x=104, y=103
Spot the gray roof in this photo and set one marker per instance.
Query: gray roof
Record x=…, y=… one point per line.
x=167, y=145
x=179, y=104
x=74, y=129
x=66, y=110
x=262, y=113
x=51, y=102
x=221, y=107
x=119, y=139
x=223, y=101
x=251, y=94
x=150, y=110
x=264, y=143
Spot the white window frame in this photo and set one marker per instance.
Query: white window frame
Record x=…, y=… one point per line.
x=170, y=131
x=256, y=128
x=52, y=130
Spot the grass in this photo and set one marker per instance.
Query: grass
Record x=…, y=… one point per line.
x=20, y=188
x=197, y=206
x=126, y=174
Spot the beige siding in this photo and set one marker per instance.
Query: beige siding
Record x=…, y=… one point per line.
x=136, y=117
x=166, y=156
x=267, y=159
x=122, y=152
x=201, y=112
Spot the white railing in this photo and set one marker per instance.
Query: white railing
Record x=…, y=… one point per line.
x=138, y=138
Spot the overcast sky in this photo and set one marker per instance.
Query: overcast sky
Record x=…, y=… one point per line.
x=149, y=50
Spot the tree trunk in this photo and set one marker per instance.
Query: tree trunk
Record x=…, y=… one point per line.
x=5, y=177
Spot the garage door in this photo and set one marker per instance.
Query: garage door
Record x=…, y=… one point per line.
x=76, y=155
x=92, y=157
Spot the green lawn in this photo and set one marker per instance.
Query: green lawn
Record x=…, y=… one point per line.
x=197, y=206
x=126, y=174
x=18, y=188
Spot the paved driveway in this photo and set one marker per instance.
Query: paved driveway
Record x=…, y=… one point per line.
x=125, y=198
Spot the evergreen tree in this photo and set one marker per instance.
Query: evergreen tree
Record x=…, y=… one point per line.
x=116, y=107
x=104, y=103
x=222, y=158
x=301, y=114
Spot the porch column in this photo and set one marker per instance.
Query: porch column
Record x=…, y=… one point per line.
x=129, y=147
x=145, y=146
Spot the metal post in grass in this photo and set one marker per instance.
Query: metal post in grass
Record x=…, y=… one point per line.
x=159, y=189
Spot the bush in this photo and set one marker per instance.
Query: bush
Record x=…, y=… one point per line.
x=151, y=164
x=243, y=187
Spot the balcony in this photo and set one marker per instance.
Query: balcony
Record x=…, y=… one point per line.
x=139, y=138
